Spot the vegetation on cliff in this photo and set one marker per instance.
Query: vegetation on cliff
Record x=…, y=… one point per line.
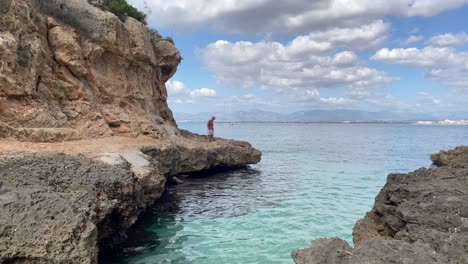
x=121, y=9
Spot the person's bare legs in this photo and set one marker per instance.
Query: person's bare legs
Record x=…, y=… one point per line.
x=210, y=136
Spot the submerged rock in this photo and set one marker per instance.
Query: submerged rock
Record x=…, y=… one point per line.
x=419, y=217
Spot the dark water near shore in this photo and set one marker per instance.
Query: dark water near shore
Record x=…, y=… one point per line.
x=315, y=180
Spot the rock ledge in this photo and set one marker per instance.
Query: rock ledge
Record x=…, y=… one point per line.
x=57, y=206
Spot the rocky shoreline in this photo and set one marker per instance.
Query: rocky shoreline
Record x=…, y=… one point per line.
x=87, y=140
x=57, y=207
x=418, y=217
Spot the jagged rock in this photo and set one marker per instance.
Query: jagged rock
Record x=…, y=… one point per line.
x=419, y=217
x=455, y=157
x=333, y=250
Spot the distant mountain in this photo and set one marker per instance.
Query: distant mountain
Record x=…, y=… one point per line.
x=318, y=116
x=341, y=116
x=239, y=116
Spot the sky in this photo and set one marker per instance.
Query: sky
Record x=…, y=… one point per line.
x=295, y=55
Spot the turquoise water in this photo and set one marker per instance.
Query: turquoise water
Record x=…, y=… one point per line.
x=314, y=180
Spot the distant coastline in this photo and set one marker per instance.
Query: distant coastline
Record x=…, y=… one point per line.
x=325, y=116
x=443, y=122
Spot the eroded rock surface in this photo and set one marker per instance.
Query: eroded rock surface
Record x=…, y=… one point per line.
x=419, y=217
x=57, y=208
x=51, y=205
x=175, y=159
x=71, y=70
x=457, y=157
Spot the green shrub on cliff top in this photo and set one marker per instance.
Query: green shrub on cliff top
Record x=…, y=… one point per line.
x=121, y=8
x=169, y=39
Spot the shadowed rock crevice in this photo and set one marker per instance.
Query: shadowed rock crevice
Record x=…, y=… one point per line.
x=419, y=217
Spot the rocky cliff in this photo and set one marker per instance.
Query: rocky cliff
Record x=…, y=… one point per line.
x=70, y=70
x=87, y=140
x=419, y=217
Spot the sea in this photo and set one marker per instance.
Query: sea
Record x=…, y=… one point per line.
x=314, y=180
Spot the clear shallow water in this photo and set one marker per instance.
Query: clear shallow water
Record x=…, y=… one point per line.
x=314, y=180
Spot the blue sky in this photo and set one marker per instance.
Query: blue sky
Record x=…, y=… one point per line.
x=286, y=56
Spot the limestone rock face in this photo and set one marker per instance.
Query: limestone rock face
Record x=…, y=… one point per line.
x=66, y=64
x=419, y=217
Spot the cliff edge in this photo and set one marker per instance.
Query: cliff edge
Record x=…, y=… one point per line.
x=419, y=217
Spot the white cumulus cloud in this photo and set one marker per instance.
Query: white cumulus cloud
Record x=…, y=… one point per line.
x=203, y=92
x=442, y=64
x=336, y=100
x=309, y=61
x=449, y=39
x=176, y=88
x=413, y=39
x=282, y=16
x=179, y=93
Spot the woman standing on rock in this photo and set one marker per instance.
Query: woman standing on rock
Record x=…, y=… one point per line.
x=210, y=126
